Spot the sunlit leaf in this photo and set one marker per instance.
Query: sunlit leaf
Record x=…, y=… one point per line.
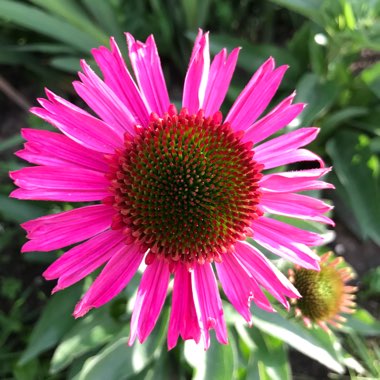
x=39, y=21
x=295, y=336
x=359, y=173
x=54, y=322
x=88, y=333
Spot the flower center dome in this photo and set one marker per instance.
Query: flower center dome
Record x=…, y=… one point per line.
x=186, y=187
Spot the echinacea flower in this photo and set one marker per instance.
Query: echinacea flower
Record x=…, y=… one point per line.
x=325, y=294
x=179, y=191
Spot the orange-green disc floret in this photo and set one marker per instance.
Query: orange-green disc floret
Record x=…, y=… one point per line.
x=325, y=294
x=185, y=187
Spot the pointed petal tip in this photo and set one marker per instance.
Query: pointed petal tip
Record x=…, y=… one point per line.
x=81, y=309
x=14, y=194
x=130, y=40
x=131, y=339
x=56, y=289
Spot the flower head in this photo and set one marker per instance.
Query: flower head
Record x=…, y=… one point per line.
x=325, y=294
x=177, y=192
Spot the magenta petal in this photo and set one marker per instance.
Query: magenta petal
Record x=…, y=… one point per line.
x=197, y=74
x=60, y=230
x=277, y=152
x=57, y=183
x=296, y=234
x=240, y=287
x=275, y=120
x=287, y=241
x=119, y=80
x=296, y=206
x=208, y=304
x=300, y=180
x=78, y=125
x=150, y=300
x=83, y=259
x=147, y=68
x=112, y=280
x=55, y=149
x=104, y=101
x=265, y=273
x=298, y=155
x=221, y=71
x=256, y=96
x=183, y=317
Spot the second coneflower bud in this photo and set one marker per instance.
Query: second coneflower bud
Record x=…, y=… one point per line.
x=325, y=294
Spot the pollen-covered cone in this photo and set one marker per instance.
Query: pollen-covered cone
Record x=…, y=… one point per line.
x=178, y=190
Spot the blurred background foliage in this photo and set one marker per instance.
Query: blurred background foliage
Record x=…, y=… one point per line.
x=333, y=49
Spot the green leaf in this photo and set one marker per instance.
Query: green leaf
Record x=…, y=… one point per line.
x=319, y=97
x=297, y=337
x=49, y=48
x=18, y=211
x=252, y=56
x=371, y=76
x=358, y=171
x=114, y=362
x=336, y=119
x=69, y=64
x=117, y=360
x=309, y=9
x=105, y=15
x=371, y=283
x=195, y=12
x=363, y=323
x=163, y=368
x=94, y=330
x=269, y=359
x=219, y=362
x=11, y=142
x=39, y=21
x=70, y=11
x=27, y=371
x=55, y=320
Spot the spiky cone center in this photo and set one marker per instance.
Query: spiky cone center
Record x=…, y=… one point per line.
x=325, y=294
x=185, y=187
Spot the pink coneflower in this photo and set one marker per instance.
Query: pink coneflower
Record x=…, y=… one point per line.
x=180, y=191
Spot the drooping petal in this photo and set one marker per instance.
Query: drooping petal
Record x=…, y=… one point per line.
x=194, y=89
x=265, y=272
x=275, y=120
x=60, y=230
x=78, y=125
x=256, y=96
x=112, y=280
x=83, y=259
x=208, y=304
x=296, y=234
x=147, y=68
x=240, y=286
x=55, y=149
x=298, y=155
x=221, y=71
x=150, y=299
x=104, y=101
x=287, y=241
x=278, y=151
x=301, y=180
x=183, y=317
x=296, y=206
x=119, y=80
x=57, y=183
